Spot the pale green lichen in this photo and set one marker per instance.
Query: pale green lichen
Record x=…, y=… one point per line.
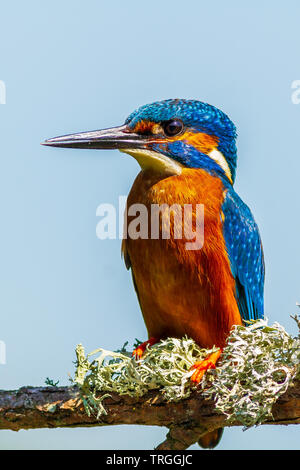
x=258, y=364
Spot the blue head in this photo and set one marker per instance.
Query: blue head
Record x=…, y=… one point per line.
x=169, y=133
x=195, y=134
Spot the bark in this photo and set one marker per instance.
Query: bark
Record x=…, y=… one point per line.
x=187, y=420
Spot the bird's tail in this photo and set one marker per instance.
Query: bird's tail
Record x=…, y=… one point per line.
x=211, y=439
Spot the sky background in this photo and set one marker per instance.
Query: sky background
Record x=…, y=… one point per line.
x=75, y=66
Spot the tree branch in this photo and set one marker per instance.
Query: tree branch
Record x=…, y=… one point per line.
x=187, y=420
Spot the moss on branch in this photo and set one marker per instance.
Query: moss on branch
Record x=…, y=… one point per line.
x=256, y=382
x=257, y=366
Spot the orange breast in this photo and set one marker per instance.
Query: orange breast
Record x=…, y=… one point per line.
x=183, y=292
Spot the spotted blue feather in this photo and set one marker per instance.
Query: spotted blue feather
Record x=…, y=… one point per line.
x=245, y=253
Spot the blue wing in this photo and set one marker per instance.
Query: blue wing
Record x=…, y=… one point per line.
x=246, y=257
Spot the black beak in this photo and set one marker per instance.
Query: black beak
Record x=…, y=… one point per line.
x=114, y=138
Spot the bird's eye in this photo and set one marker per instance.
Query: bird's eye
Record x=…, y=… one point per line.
x=173, y=127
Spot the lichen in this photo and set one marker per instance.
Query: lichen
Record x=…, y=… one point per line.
x=257, y=365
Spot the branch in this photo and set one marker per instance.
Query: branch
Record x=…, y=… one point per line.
x=187, y=420
x=259, y=363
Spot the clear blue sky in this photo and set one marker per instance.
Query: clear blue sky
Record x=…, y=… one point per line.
x=73, y=66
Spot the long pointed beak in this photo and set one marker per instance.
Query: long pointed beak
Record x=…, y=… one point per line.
x=114, y=138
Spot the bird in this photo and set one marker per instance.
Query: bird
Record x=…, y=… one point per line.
x=187, y=154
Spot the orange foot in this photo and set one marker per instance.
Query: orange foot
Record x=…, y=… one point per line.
x=139, y=351
x=202, y=366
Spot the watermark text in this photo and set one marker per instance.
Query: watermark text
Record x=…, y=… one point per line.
x=2, y=92
x=295, y=96
x=2, y=352
x=159, y=221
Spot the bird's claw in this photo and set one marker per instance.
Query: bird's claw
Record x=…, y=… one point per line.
x=139, y=351
x=200, y=367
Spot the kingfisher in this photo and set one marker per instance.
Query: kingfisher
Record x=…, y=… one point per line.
x=187, y=153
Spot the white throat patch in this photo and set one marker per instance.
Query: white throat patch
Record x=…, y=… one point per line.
x=148, y=159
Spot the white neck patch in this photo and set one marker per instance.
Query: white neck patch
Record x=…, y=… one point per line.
x=219, y=158
x=148, y=159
